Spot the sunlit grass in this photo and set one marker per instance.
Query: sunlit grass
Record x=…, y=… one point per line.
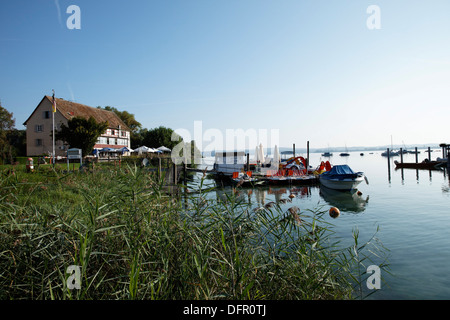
x=133, y=241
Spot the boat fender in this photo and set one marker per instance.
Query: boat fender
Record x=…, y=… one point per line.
x=334, y=212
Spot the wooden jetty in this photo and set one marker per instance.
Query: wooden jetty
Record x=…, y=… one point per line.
x=255, y=179
x=426, y=164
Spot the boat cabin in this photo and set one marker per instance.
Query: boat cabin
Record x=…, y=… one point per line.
x=229, y=162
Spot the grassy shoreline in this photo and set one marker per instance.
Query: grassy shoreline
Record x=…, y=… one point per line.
x=132, y=241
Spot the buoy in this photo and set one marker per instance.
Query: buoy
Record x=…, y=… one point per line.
x=359, y=193
x=291, y=196
x=334, y=212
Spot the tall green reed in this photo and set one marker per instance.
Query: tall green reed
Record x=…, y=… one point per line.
x=134, y=241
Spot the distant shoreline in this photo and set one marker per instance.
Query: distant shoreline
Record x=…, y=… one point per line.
x=433, y=146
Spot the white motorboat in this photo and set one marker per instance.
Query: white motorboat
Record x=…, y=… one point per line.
x=342, y=177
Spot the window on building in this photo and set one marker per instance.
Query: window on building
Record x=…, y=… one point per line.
x=39, y=128
x=38, y=142
x=122, y=142
x=46, y=114
x=102, y=140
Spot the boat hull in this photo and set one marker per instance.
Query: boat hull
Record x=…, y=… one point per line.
x=431, y=165
x=344, y=184
x=289, y=180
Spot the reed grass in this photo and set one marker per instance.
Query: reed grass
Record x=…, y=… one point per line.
x=133, y=241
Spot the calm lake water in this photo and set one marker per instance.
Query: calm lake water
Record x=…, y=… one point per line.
x=411, y=209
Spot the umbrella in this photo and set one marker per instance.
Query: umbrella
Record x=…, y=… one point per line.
x=261, y=153
x=141, y=149
x=125, y=149
x=107, y=149
x=256, y=154
x=164, y=149
x=276, y=157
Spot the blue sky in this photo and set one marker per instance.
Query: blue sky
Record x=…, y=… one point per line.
x=311, y=69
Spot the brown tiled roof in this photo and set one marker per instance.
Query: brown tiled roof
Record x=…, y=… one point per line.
x=72, y=109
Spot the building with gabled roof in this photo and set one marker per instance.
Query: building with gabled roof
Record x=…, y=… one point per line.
x=39, y=126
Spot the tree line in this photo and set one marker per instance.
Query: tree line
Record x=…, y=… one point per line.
x=12, y=141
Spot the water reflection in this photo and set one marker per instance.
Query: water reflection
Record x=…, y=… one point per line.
x=266, y=197
x=261, y=196
x=351, y=201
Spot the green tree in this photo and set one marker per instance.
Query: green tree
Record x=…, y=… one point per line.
x=7, y=123
x=137, y=139
x=126, y=117
x=81, y=133
x=160, y=136
x=18, y=140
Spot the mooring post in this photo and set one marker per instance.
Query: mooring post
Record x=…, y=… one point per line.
x=448, y=159
x=389, y=164
x=159, y=168
x=307, y=156
x=293, y=149
x=248, y=162
x=429, y=153
x=417, y=155
x=175, y=174
x=401, y=155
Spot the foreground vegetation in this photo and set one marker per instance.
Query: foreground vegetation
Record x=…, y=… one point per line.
x=132, y=241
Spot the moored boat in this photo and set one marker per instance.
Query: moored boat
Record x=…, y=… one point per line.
x=391, y=153
x=429, y=165
x=244, y=179
x=287, y=176
x=342, y=177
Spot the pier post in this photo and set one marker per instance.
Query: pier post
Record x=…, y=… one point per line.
x=175, y=174
x=307, y=156
x=448, y=159
x=293, y=149
x=401, y=155
x=429, y=153
x=389, y=164
x=159, y=168
x=417, y=155
x=248, y=162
